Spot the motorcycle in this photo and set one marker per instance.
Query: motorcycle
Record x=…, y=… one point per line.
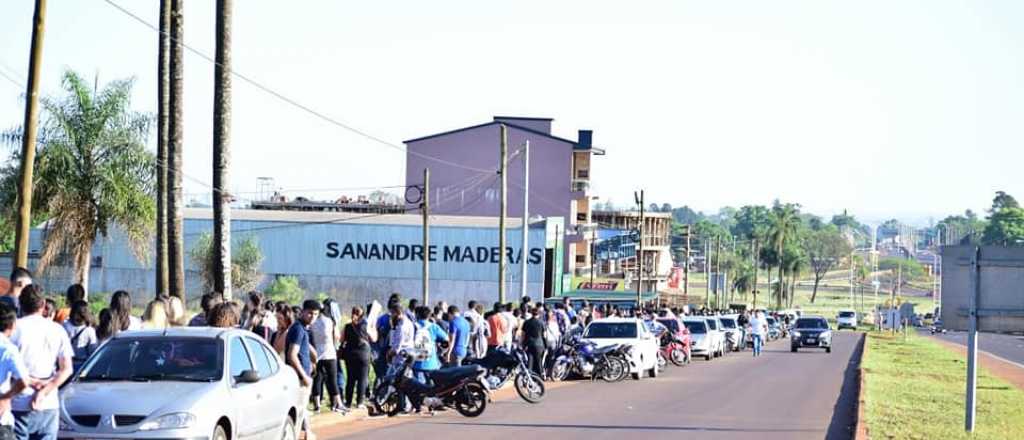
x=504, y=364
x=461, y=388
x=673, y=350
x=586, y=359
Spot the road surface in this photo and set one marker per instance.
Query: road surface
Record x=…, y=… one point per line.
x=1009, y=347
x=780, y=395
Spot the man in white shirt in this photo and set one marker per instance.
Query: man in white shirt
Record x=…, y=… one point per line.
x=402, y=330
x=758, y=329
x=47, y=352
x=13, y=374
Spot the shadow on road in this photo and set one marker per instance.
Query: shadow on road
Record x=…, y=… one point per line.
x=844, y=413
x=622, y=427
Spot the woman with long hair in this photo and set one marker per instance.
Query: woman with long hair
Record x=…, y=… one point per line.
x=176, y=316
x=356, y=342
x=285, y=317
x=121, y=312
x=107, y=327
x=81, y=333
x=155, y=316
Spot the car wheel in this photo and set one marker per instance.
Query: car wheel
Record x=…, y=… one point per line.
x=828, y=349
x=653, y=372
x=707, y=357
x=793, y=348
x=637, y=376
x=288, y=432
x=219, y=433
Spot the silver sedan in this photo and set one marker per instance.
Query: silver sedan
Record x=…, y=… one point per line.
x=189, y=383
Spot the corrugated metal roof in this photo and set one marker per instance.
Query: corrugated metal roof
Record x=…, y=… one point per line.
x=353, y=217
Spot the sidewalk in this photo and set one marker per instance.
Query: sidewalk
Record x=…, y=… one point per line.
x=331, y=425
x=999, y=367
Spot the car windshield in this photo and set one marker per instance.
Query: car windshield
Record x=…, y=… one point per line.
x=146, y=359
x=846, y=314
x=671, y=324
x=728, y=323
x=611, y=330
x=713, y=324
x=696, y=327
x=811, y=323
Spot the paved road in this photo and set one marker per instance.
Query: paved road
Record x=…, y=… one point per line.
x=1009, y=347
x=781, y=395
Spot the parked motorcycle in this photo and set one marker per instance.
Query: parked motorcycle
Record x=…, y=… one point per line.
x=503, y=364
x=586, y=359
x=673, y=350
x=461, y=388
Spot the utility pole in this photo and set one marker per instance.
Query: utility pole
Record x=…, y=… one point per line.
x=222, y=151
x=718, y=270
x=28, y=138
x=640, y=252
x=686, y=265
x=525, y=249
x=593, y=252
x=852, y=304
x=425, y=207
x=707, y=273
x=504, y=212
x=757, y=252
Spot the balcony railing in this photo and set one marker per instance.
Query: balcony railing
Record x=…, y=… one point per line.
x=580, y=185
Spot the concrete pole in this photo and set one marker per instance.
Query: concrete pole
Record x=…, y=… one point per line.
x=525, y=249
x=222, y=151
x=503, y=214
x=426, y=236
x=28, y=139
x=640, y=257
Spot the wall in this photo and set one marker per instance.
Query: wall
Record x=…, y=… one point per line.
x=1002, y=288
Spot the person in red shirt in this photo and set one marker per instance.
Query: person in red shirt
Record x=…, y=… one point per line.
x=499, y=328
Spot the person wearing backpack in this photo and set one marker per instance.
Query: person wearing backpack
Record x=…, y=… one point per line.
x=79, y=326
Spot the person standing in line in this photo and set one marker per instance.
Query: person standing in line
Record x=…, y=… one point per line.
x=285, y=318
x=14, y=375
x=47, y=352
x=758, y=329
x=499, y=329
x=431, y=335
x=356, y=343
x=79, y=327
x=534, y=342
x=403, y=331
x=459, y=335
x=325, y=338
x=512, y=323
x=74, y=294
x=478, y=330
x=155, y=316
x=20, y=279
x=121, y=311
x=297, y=351
x=381, y=349
x=207, y=303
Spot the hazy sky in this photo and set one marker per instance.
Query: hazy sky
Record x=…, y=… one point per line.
x=887, y=108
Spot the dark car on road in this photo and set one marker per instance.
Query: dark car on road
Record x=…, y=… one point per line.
x=810, y=332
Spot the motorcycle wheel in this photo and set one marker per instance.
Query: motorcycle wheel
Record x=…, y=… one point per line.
x=560, y=371
x=614, y=369
x=471, y=400
x=530, y=387
x=678, y=357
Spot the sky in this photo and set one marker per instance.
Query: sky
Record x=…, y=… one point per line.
x=908, y=109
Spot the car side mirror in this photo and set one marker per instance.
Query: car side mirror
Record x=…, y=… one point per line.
x=248, y=376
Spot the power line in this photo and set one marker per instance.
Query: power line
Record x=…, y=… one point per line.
x=293, y=102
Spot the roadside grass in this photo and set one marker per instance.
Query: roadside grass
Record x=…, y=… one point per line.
x=914, y=389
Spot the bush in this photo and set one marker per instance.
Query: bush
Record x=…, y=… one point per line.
x=285, y=289
x=912, y=270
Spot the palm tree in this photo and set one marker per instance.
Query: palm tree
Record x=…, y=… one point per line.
x=785, y=221
x=175, y=141
x=93, y=172
x=222, y=152
x=163, y=121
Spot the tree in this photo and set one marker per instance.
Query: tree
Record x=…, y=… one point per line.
x=222, y=261
x=785, y=223
x=163, y=121
x=1006, y=222
x=686, y=216
x=751, y=221
x=1003, y=200
x=175, y=142
x=824, y=249
x=92, y=172
x=653, y=207
x=666, y=207
x=246, y=259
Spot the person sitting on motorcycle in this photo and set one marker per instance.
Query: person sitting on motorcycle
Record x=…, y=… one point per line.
x=656, y=328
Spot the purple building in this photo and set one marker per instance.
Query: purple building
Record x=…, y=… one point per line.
x=559, y=176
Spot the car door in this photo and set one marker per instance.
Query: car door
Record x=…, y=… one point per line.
x=246, y=398
x=272, y=407
x=648, y=348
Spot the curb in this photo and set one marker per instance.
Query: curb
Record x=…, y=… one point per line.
x=861, y=431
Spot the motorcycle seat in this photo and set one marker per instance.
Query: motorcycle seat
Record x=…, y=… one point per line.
x=448, y=375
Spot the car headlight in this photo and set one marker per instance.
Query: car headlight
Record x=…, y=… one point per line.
x=169, y=421
x=796, y=334
x=826, y=334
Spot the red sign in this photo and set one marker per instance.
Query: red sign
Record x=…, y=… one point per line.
x=607, y=285
x=675, y=277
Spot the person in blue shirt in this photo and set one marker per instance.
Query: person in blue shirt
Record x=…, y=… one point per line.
x=430, y=334
x=297, y=355
x=459, y=335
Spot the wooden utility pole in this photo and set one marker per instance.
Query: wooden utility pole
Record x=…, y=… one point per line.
x=718, y=270
x=524, y=259
x=757, y=253
x=162, y=97
x=175, y=199
x=222, y=151
x=28, y=138
x=640, y=253
x=504, y=213
x=686, y=265
x=425, y=207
